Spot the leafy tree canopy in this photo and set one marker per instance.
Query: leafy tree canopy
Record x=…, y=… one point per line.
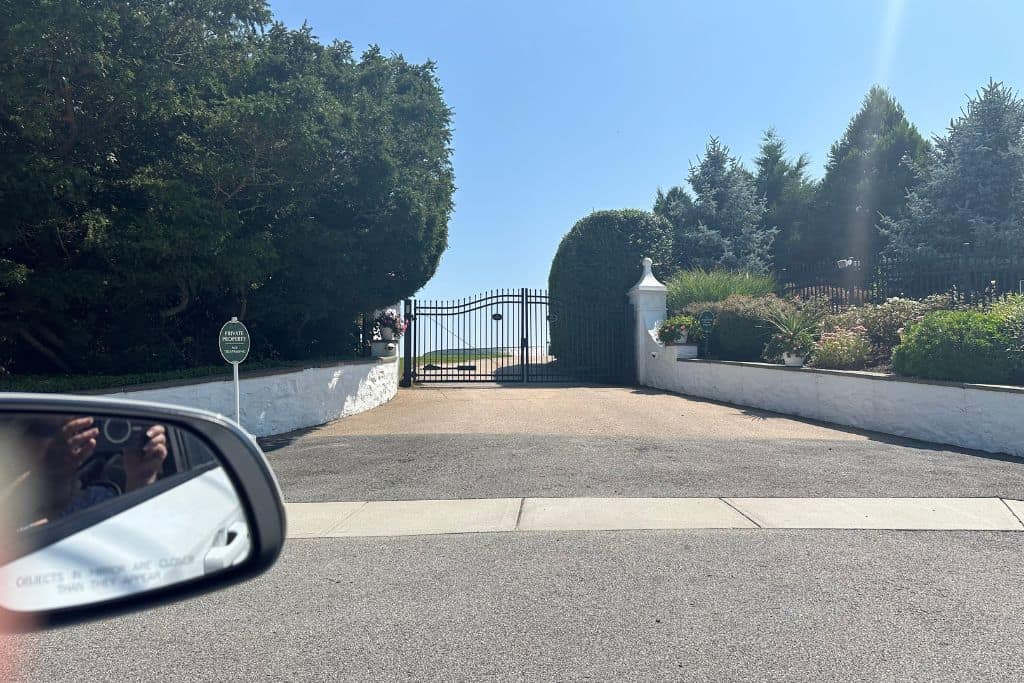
x=166, y=165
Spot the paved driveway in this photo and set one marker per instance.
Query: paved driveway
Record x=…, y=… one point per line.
x=593, y=441
x=734, y=604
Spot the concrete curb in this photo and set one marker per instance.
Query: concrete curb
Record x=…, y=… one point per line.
x=431, y=517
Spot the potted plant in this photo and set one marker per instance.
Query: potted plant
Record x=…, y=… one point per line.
x=388, y=325
x=682, y=332
x=795, y=332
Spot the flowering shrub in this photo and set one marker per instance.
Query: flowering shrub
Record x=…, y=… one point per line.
x=681, y=329
x=884, y=322
x=842, y=349
x=389, y=319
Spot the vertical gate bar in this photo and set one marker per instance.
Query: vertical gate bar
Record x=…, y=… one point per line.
x=428, y=342
x=503, y=327
x=407, y=347
x=524, y=330
x=481, y=315
x=442, y=333
x=506, y=327
x=434, y=341
x=534, y=357
x=431, y=342
x=542, y=339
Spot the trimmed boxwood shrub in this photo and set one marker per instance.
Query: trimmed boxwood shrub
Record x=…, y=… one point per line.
x=740, y=331
x=1010, y=312
x=960, y=346
x=595, y=265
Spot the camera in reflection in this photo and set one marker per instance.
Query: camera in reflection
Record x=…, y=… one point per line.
x=118, y=433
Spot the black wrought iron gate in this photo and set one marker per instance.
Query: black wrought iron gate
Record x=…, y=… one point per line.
x=517, y=335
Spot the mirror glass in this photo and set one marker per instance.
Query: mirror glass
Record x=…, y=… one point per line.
x=102, y=507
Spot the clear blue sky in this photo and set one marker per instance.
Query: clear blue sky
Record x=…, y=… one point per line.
x=562, y=108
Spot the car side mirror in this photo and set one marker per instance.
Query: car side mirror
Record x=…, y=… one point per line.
x=111, y=505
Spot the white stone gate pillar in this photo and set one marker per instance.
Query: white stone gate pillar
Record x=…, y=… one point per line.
x=650, y=302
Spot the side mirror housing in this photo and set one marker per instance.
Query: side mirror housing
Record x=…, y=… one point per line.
x=110, y=505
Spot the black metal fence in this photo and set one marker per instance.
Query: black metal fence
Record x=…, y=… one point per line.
x=974, y=280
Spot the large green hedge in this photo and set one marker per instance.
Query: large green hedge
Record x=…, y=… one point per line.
x=166, y=165
x=960, y=346
x=595, y=265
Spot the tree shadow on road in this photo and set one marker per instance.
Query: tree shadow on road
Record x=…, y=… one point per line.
x=269, y=444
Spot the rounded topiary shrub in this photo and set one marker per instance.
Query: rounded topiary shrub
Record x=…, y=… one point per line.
x=595, y=265
x=960, y=346
x=741, y=331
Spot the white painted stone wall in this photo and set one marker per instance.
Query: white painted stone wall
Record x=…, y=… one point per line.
x=967, y=415
x=278, y=403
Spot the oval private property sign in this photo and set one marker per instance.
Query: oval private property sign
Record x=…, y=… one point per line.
x=706, y=320
x=234, y=341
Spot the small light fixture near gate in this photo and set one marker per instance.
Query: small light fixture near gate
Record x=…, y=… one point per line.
x=496, y=316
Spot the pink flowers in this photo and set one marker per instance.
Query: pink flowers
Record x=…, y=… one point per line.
x=389, y=319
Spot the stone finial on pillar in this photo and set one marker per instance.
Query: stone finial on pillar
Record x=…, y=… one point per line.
x=650, y=301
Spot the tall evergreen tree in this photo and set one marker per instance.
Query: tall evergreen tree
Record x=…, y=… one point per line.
x=972, y=196
x=868, y=174
x=788, y=194
x=721, y=225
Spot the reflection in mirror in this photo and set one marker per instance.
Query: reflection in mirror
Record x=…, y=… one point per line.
x=99, y=507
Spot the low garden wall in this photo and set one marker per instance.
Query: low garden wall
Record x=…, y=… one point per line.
x=275, y=402
x=968, y=415
x=978, y=416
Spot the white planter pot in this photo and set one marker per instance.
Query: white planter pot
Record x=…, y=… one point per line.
x=685, y=351
x=383, y=349
x=791, y=360
x=387, y=334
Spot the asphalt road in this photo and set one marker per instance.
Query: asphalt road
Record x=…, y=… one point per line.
x=699, y=605
x=408, y=467
x=649, y=605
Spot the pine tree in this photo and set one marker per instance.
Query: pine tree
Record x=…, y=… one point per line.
x=788, y=194
x=972, y=197
x=868, y=174
x=721, y=225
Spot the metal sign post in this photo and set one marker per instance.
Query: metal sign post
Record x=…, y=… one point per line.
x=234, y=344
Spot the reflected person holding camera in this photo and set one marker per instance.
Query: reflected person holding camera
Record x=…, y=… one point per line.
x=75, y=462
